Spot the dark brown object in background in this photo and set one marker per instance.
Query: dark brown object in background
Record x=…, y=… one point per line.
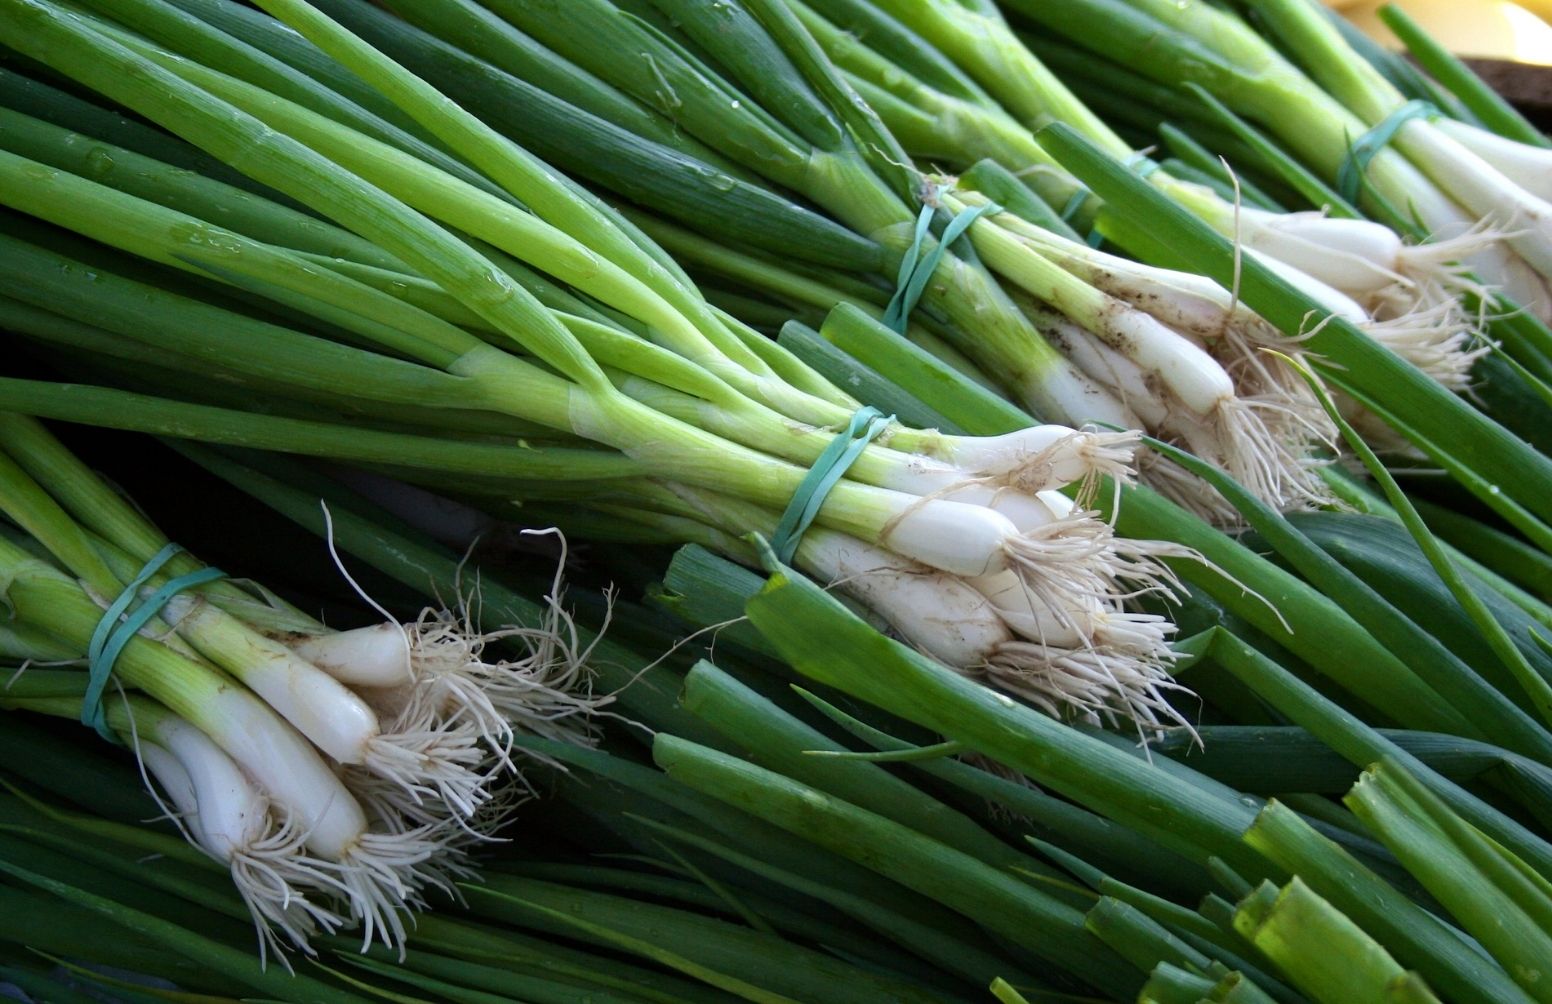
x=1528, y=87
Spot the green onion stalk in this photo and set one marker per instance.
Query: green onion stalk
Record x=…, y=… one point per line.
x=792, y=290
x=694, y=402
x=1327, y=955
x=419, y=728
x=782, y=110
x=958, y=86
x=1426, y=180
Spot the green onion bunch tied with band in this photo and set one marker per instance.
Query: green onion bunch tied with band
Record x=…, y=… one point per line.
x=771, y=117
x=1419, y=214
x=485, y=326
x=341, y=775
x=978, y=68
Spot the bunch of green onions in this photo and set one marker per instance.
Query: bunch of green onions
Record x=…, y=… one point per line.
x=1472, y=191
x=1419, y=300
x=1077, y=288
x=969, y=59
x=99, y=901
x=1080, y=338
x=611, y=362
x=339, y=774
x=1144, y=336
x=961, y=88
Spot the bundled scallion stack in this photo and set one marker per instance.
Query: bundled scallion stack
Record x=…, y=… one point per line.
x=482, y=268
x=729, y=136
x=621, y=385
x=1418, y=167
x=1072, y=335
x=921, y=63
x=340, y=774
x=970, y=59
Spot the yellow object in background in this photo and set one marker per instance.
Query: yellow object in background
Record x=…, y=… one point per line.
x=1494, y=29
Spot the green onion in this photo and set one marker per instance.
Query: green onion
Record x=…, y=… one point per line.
x=1331, y=957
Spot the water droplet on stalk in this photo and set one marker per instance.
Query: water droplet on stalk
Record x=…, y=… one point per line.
x=99, y=161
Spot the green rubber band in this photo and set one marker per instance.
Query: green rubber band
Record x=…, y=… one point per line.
x=1350, y=176
x=916, y=269
x=1074, y=202
x=112, y=635
x=829, y=468
x=1142, y=165
x=893, y=314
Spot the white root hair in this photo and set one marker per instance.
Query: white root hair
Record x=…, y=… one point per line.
x=1084, y=576
x=1075, y=560
x=1119, y=671
x=384, y=876
x=1437, y=269
x=433, y=764
x=544, y=691
x=1103, y=455
x=1112, y=686
x=285, y=889
x=1423, y=317
x=1441, y=340
x=1254, y=455
x=1275, y=429
x=1271, y=437
x=458, y=709
x=377, y=883
x=1271, y=448
x=270, y=867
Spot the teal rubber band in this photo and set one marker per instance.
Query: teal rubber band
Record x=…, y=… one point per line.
x=1350, y=176
x=1074, y=202
x=894, y=315
x=1142, y=165
x=112, y=635
x=916, y=270
x=97, y=670
x=829, y=468
x=924, y=269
